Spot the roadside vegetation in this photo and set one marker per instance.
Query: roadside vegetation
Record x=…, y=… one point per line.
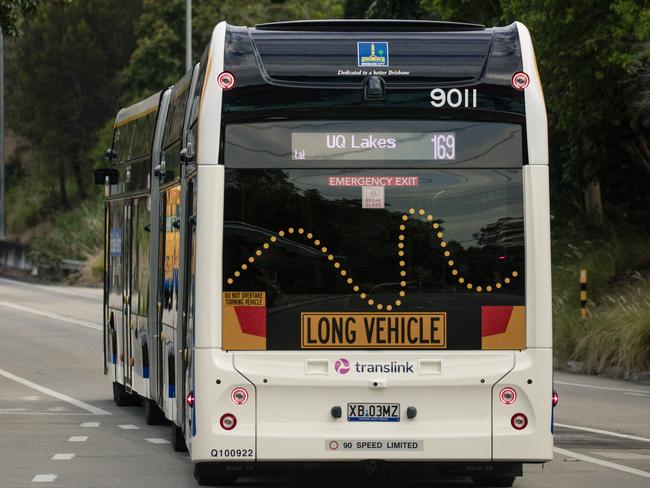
x=72, y=64
x=615, y=337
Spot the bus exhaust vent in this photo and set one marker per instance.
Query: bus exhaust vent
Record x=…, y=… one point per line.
x=369, y=25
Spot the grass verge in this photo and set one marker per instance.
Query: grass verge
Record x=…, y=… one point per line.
x=615, y=337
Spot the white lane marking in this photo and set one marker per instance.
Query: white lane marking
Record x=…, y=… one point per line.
x=89, y=424
x=604, y=432
x=31, y=398
x=58, y=409
x=51, y=315
x=78, y=438
x=44, y=478
x=623, y=455
x=67, y=414
x=65, y=398
x=64, y=456
x=608, y=388
x=637, y=394
x=129, y=427
x=73, y=292
x=601, y=462
x=157, y=441
x=12, y=410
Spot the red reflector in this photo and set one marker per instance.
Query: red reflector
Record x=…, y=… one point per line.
x=190, y=399
x=507, y=396
x=239, y=396
x=226, y=80
x=228, y=421
x=555, y=398
x=520, y=80
x=519, y=421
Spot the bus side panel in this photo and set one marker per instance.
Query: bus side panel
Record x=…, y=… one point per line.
x=539, y=319
x=140, y=297
x=209, y=128
x=536, y=123
x=532, y=379
x=115, y=288
x=209, y=248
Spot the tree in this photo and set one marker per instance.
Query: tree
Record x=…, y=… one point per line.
x=158, y=59
x=66, y=81
x=587, y=53
x=486, y=12
x=383, y=9
x=585, y=57
x=12, y=12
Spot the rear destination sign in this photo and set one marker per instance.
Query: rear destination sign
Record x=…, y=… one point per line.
x=427, y=330
x=366, y=146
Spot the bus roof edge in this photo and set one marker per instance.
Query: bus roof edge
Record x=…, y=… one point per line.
x=369, y=25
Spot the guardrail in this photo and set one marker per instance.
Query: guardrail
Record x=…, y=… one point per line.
x=15, y=255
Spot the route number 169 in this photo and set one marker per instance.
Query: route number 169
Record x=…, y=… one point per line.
x=453, y=98
x=444, y=145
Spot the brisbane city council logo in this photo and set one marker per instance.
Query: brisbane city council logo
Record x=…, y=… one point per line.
x=342, y=366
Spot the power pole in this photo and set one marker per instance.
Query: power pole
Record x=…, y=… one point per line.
x=2, y=137
x=188, y=35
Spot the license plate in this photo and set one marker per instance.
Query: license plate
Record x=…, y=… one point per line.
x=373, y=412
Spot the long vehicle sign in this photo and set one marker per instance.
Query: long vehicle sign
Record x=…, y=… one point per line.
x=374, y=330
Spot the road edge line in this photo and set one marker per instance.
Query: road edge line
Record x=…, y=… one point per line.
x=601, y=462
x=60, y=396
x=596, y=387
x=603, y=432
x=51, y=315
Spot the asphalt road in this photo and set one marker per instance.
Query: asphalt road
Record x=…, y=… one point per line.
x=59, y=425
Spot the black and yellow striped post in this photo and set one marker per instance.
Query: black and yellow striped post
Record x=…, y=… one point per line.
x=583, y=293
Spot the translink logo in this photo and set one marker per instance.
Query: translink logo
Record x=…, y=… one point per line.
x=343, y=366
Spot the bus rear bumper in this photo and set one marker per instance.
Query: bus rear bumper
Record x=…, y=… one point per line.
x=380, y=469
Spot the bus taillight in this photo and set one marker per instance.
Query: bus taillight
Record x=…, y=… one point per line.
x=190, y=399
x=226, y=80
x=239, y=396
x=228, y=421
x=555, y=398
x=519, y=421
x=520, y=81
x=507, y=396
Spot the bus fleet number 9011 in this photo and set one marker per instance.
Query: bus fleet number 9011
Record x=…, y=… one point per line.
x=453, y=98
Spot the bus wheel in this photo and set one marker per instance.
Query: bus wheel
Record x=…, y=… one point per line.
x=153, y=415
x=206, y=477
x=122, y=398
x=177, y=438
x=493, y=481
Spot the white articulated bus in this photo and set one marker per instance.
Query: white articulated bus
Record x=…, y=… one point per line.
x=329, y=244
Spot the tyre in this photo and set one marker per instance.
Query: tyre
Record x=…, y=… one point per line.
x=207, y=477
x=493, y=481
x=122, y=398
x=177, y=438
x=153, y=415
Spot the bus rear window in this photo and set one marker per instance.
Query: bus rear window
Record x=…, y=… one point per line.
x=364, y=253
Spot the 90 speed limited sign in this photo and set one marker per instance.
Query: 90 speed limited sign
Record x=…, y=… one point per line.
x=374, y=445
